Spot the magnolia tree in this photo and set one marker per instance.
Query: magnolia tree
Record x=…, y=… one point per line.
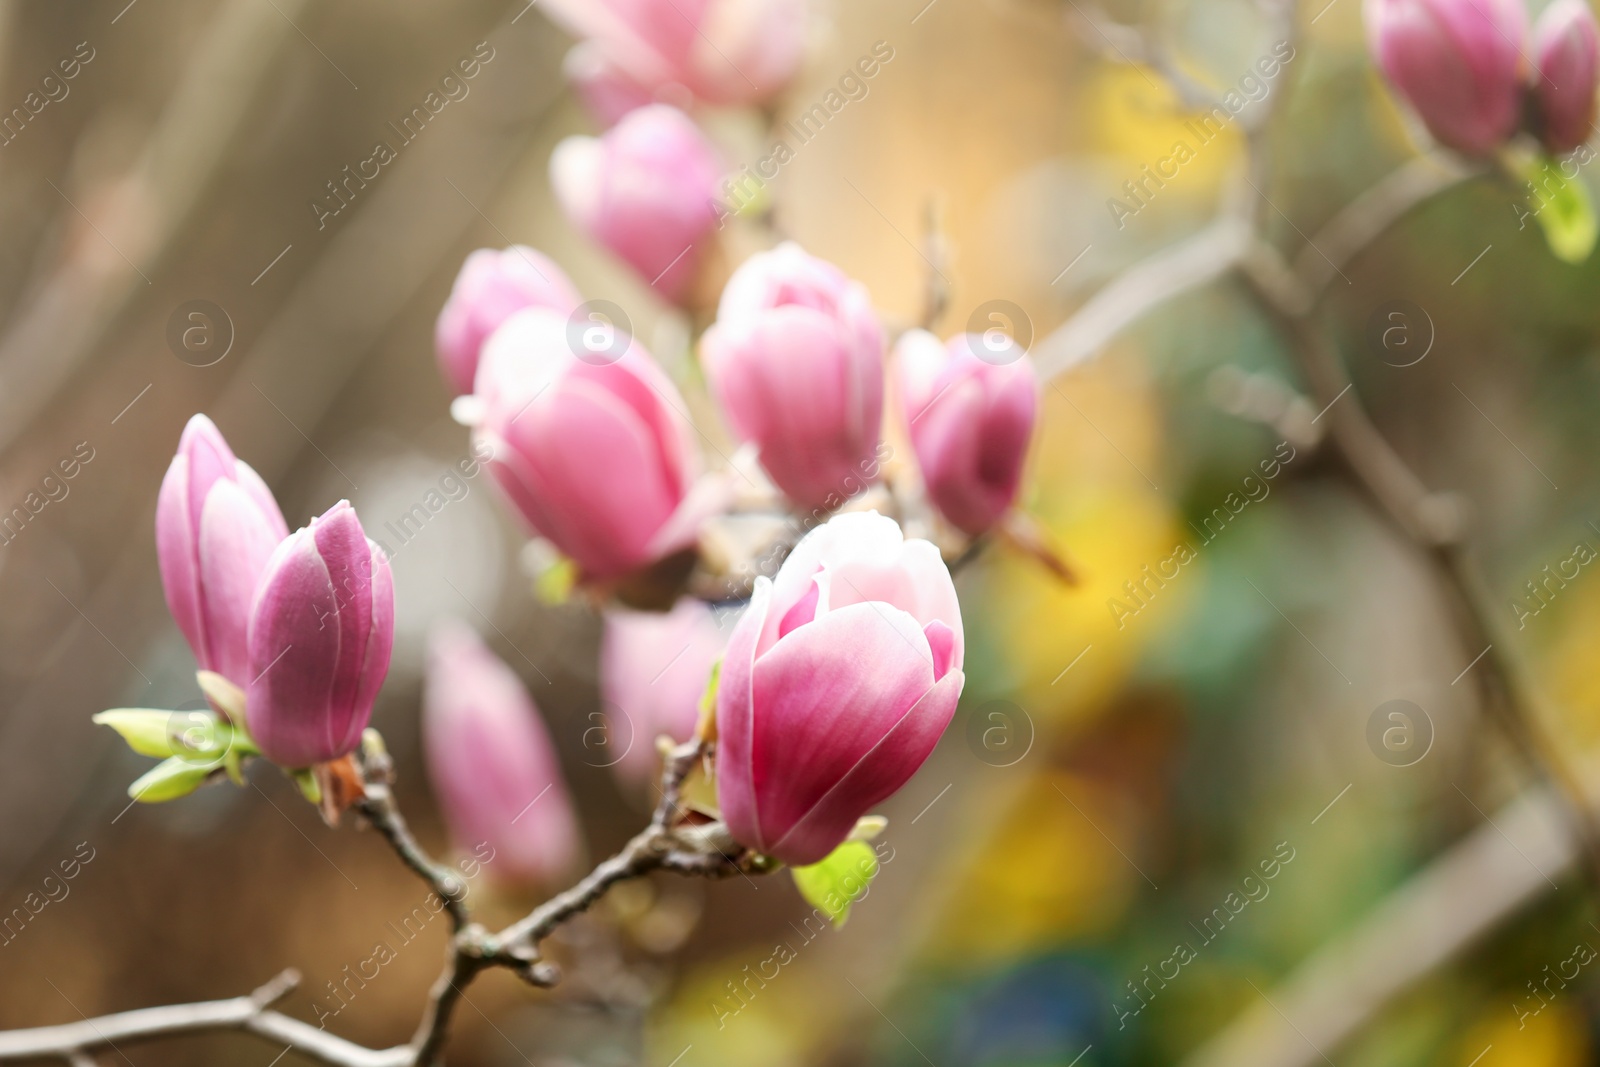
x=777, y=738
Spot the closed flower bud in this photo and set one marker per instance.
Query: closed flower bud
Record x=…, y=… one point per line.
x=796, y=360
x=654, y=668
x=216, y=526
x=722, y=51
x=493, y=768
x=321, y=631
x=645, y=190
x=838, y=682
x=1458, y=62
x=1566, y=49
x=970, y=406
x=493, y=285
x=594, y=452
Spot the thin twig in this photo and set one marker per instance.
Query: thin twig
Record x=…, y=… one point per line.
x=1146, y=46
x=1371, y=214
x=651, y=849
x=73, y=1042
x=663, y=845
x=383, y=814
x=1175, y=270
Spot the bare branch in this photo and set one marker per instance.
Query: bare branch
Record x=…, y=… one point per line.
x=73, y=1042
x=1150, y=47
x=702, y=851
x=1370, y=215
x=656, y=847
x=381, y=811
x=1164, y=276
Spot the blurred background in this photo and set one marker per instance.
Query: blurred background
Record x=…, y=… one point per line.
x=1188, y=762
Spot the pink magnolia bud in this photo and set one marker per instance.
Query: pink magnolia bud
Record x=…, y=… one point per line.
x=837, y=684
x=722, y=51
x=321, y=630
x=605, y=88
x=1566, y=47
x=970, y=406
x=1458, y=62
x=216, y=526
x=646, y=190
x=653, y=672
x=491, y=762
x=796, y=360
x=594, y=452
x=493, y=284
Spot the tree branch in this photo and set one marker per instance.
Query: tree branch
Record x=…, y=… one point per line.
x=1140, y=289
x=383, y=814
x=1370, y=215
x=1435, y=525
x=73, y=1042
x=698, y=850
x=1150, y=47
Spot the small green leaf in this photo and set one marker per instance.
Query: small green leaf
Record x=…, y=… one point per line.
x=201, y=739
x=144, y=729
x=168, y=780
x=705, y=727
x=1563, y=209
x=838, y=881
x=555, y=583
x=708, y=701
x=232, y=764
x=306, y=779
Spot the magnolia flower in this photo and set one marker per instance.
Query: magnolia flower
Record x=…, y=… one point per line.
x=491, y=762
x=1566, y=48
x=1458, y=62
x=321, y=630
x=646, y=190
x=837, y=684
x=796, y=360
x=970, y=406
x=494, y=284
x=595, y=455
x=722, y=51
x=216, y=526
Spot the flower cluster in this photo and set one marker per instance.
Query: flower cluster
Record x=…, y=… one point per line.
x=591, y=444
x=1461, y=64
x=850, y=654
x=852, y=651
